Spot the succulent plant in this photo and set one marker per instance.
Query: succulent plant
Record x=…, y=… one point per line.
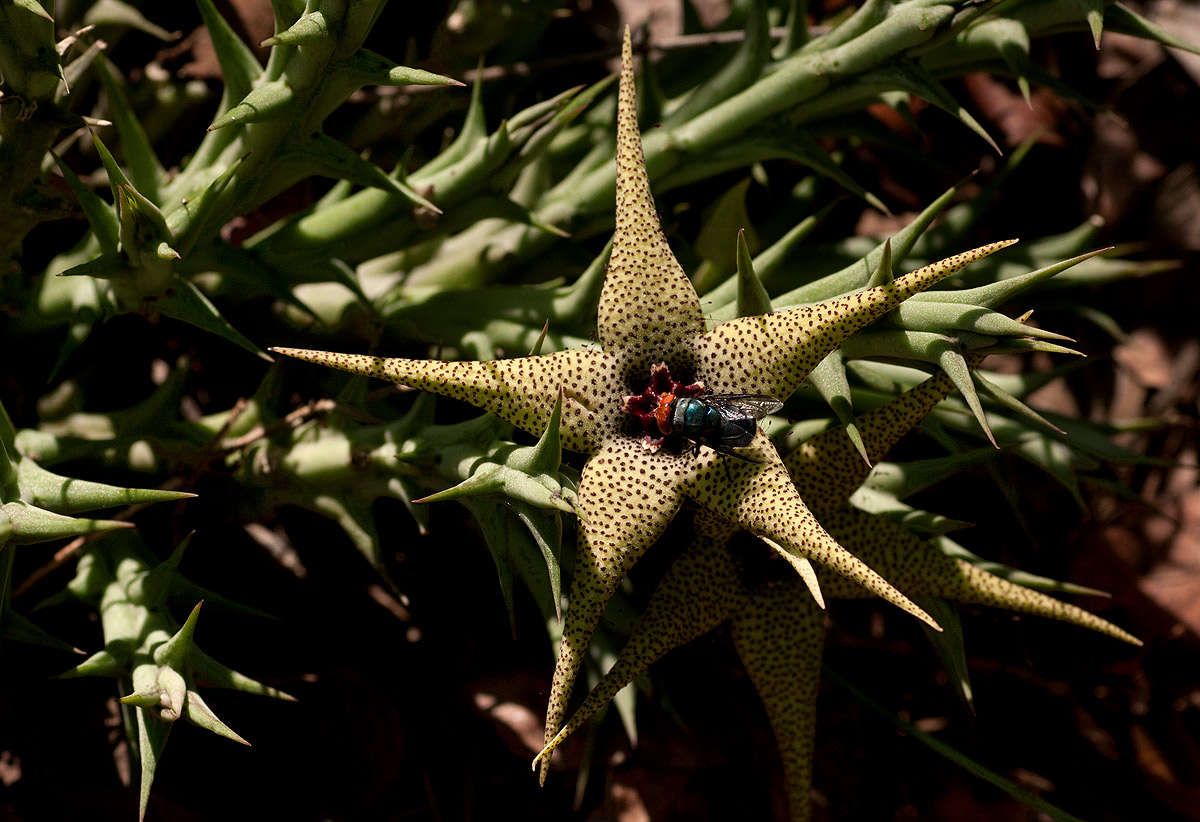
x=650, y=323
x=463, y=255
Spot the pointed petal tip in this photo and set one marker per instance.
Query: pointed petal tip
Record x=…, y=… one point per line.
x=36, y=10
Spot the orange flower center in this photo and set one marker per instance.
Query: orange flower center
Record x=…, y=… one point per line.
x=663, y=412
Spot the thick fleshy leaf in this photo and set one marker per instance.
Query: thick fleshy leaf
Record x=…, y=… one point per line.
x=884, y=504
x=189, y=304
x=101, y=663
x=144, y=168
x=541, y=569
x=856, y=274
x=994, y=294
x=904, y=479
x=66, y=495
x=1023, y=578
x=264, y=102
x=30, y=524
x=152, y=738
x=769, y=261
x=918, y=80
x=829, y=379
x=16, y=628
x=329, y=157
x=501, y=535
x=735, y=73
x=357, y=522
x=211, y=672
x=752, y=297
x=119, y=13
x=1013, y=404
x=100, y=215
x=512, y=314
x=307, y=28
x=176, y=650
x=366, y=67
x=239, y=66
x=1119, y=17
x=952, y=317
x=827, y=468
x=189, y=220
x=198, y=713
x=950, y=647
x=727, y=217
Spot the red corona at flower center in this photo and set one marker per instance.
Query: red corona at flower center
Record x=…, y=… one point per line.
x=650, y=411
x=663, y=413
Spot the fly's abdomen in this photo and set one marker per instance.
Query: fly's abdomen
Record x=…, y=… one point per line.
x=739, y=432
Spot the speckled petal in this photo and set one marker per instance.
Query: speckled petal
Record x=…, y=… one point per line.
x=698, y=593
x=760, y=497
x=827, y=469
x=521, y=390
x=626, y=498
x=772, y=354
x=779, y=635
x=648, y=305
x=921, y=568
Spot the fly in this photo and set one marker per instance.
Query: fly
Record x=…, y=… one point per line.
x=723, y=422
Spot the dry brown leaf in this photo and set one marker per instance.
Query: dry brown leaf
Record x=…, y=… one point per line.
x=1017, y=120
x=1144, y=355
x=1174, y=583
x=1116, y=170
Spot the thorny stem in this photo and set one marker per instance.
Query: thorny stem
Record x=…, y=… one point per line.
x=72, y=548
x=678, y=42
x=292, y=420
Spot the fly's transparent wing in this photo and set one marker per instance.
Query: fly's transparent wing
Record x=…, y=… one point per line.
x=754, y=406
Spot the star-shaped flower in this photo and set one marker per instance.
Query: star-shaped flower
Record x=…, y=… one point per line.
x=777, y=627
x=649, y=313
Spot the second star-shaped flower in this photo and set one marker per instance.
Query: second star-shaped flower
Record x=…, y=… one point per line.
x=650, y=313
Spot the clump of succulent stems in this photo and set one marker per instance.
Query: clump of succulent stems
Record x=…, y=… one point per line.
x=472, y=255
